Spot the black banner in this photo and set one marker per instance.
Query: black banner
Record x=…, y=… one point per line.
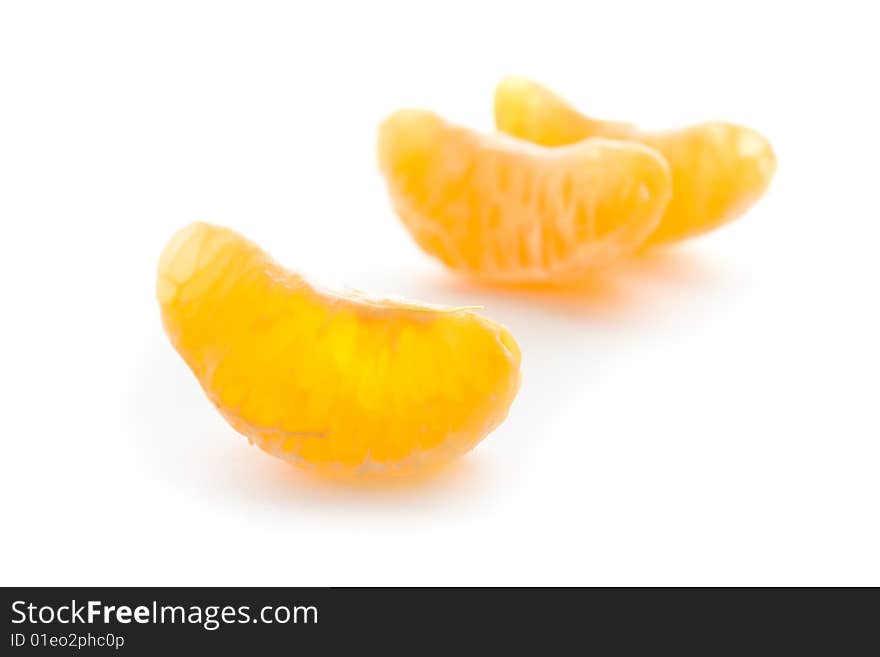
x=406, y=621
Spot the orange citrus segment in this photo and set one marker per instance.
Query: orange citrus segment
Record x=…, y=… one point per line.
x=719, y=170
x=339, y=383
x=505, y=210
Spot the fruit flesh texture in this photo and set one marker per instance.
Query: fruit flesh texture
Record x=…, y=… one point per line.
x=719, y=170
x=340, y=384
x=504, y=210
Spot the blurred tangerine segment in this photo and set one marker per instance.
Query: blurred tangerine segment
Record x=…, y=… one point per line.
x=338, y=383
x=505, y=210
x=719, y=170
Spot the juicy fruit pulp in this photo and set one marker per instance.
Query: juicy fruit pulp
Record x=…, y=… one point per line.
x=505, y=210
x=342, y=384
x=719, y=170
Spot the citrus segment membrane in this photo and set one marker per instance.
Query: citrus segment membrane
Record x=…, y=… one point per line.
x=339, y=384
x=719, y=170
x=505, y=210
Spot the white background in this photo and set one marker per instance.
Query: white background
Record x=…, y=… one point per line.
x=706, y=416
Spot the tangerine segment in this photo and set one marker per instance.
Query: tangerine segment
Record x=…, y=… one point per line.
x=506, y=210
x=338, y=383
x=719, y=170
